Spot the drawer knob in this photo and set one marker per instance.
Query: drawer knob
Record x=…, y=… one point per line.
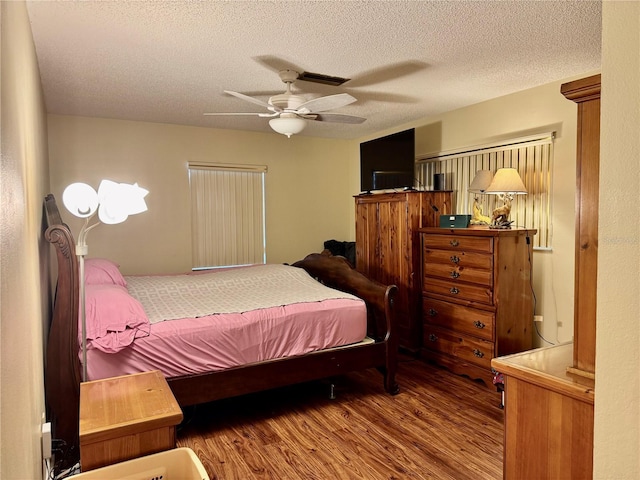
x=432, y=337
x=454, y=274
x=433, y=312
x=478, y=353
x=454, y=291
x=454, y=243
x=454, y=259
x=479, y=324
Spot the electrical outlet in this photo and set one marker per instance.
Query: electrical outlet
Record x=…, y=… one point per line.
x=537, y=318
x=46, y=441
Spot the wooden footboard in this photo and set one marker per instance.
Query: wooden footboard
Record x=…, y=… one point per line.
x=62, y=372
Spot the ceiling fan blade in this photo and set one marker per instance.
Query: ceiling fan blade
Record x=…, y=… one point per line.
x=339, y=118
x=330, y=102
x=247, y=98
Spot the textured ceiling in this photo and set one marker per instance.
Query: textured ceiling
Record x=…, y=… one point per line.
x=169, y=61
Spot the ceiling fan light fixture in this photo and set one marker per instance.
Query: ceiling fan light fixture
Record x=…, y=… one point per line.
x=292, y=111
x=288, y=125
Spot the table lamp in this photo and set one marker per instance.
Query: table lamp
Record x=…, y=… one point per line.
x=506, y=183
x=478, y=186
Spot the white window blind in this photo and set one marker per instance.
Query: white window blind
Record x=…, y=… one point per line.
x=227, y=214
x=531, y=156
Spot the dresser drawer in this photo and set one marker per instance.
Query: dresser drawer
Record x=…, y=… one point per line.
x=467, y=320
x=473, y=350
x=459, y=243
x=457, y=273
x=453, y=258
x=458, y=290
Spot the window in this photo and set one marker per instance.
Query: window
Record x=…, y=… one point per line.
x=227, y=214
x=531, y=156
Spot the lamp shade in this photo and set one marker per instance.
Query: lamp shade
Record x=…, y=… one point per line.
x=288, y=125
x=506, y=180
x=135, y=198
x=481, y=181
x=119, y=200
x=80, y=199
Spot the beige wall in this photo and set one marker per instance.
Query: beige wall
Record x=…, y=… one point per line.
x=617, y=409
x=309, y=185
x=24, y=255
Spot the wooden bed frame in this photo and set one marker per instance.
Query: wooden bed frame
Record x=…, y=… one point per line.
x=63, y=370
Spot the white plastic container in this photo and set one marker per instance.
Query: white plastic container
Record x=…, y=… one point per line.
x=176, y=464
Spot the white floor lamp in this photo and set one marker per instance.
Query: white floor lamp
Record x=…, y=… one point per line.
x=114, y=202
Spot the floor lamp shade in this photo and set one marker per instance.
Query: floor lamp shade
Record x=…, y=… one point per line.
x=80, y=199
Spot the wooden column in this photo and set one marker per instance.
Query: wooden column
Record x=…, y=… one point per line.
x=586, y=93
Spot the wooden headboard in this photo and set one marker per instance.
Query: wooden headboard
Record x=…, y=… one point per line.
x=62, y=370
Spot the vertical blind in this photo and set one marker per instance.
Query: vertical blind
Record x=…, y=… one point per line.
x=227, y=214
x=531, y=156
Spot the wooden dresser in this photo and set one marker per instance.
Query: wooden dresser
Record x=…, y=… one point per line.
x=548, y=430
x=477, y=299
x=388, y=248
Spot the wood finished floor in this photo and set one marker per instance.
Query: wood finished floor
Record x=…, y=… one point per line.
x=439, y=426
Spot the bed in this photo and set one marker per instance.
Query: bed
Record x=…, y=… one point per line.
x=226, y=378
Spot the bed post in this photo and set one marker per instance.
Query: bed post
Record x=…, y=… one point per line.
x=62, y=369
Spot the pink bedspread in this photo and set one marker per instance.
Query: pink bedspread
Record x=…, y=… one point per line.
x=216, y=342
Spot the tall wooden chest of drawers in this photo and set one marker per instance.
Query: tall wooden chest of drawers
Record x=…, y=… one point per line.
x=477, y=296
x=388, y=249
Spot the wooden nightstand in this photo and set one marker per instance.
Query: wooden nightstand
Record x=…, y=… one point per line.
x=126, y=417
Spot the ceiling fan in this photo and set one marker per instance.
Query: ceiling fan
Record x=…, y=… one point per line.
x=289, y=112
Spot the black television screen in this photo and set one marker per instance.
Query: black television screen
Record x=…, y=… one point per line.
x=388, y=162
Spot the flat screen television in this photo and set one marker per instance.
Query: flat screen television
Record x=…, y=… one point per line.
x=388, y=162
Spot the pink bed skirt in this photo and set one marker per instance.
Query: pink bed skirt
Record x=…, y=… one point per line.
x=200, y=345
